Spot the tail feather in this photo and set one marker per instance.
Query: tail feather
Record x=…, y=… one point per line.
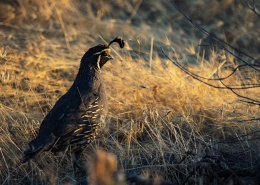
x=36, y=146
x=29, y=154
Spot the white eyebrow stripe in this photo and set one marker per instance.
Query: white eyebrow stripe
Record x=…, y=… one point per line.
x=102, y=51
x=98, y=61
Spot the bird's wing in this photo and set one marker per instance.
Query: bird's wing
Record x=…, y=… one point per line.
x=73, y=118
x=58, y=122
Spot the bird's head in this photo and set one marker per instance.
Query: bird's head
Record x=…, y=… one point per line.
x=97, y=56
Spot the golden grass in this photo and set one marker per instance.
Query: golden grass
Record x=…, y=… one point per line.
x=155, y=112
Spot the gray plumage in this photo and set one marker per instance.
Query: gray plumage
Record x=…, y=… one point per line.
x=75, y=119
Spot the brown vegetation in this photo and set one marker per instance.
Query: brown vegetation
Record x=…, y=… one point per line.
x=161, y=122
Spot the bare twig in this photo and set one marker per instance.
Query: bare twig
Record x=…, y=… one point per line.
x=240, y=96
x=199, y=78
x=220, y=43
x=225, y=46
x=252, y=7
x=63, y=28
x=135, y=10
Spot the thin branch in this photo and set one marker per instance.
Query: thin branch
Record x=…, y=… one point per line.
x=221, y=43
x=252, y=7
x=199, y=78
x=240, y=96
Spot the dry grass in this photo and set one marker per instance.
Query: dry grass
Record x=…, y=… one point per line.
x=156, y=112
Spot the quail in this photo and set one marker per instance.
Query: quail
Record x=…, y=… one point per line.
x=75, y=119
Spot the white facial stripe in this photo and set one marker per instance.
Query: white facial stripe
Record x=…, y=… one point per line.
x=98, y=62
x=102, y=51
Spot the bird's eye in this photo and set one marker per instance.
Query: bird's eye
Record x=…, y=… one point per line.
x=103, y=54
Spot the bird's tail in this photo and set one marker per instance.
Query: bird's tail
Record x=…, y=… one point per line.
x=30, y=154
x=36, y=146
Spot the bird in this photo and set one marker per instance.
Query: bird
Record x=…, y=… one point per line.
x=75, y=119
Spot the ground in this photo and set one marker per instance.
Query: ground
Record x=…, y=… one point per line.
x=157, y=113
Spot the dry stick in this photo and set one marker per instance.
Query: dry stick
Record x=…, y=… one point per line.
x=139, y=47
x=234, y=70
x=197, y=77
x=9, y=25
x=252, y=101
x=221, y=44
x=253, y=119
x=226, y=77
x=253, y=8
x=218, y=87
x=220, y=79
x=5, y=162
x=244, y=97
x=63, y=27
x=217, y=40
x=135, y=10
x=38, y=102
x=151, y=53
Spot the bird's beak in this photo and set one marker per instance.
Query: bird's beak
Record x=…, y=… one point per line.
x=110, y=57
x=107, y=54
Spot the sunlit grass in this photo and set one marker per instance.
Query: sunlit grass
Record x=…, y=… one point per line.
x=155, y=109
